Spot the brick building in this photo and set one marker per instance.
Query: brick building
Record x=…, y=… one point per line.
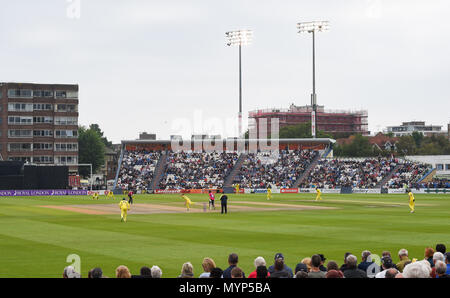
x=39, y=123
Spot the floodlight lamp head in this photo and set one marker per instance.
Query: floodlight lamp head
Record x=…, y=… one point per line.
x=315, y=26
x=239, y=37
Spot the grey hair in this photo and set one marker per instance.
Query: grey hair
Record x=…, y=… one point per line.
x=352, y=260
x=259, y=261
x=438, y=256
x=402, y=252
x=156, y=272
x=417, y=270
x=441, y=268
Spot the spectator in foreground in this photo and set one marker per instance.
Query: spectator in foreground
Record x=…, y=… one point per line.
x=441, y=248
x=364, y=265
x=419, y=269
x=236, y=272
x=216, y=273
x=233, y=260
x=259, y=261
x=323, y=259
x=404, y=259
x=315, y=271
x=96, y=273
x=69, y=272
x=285, y=268
x=447, y=261
x=344, y=266
x=386, y=265
x=123, y=272
x=392, y=273
x=441, y=269
x=332, y=265
x=351, y=269
x=437, y=256
x=145, y=272
x=334, y=274
x=429, y=252
x=208, y=264
x=262, y=272
x=301, y=267
x=156, y=272
x=187, y=270
x=307, y=262
x=301, y=274
x=279, y=270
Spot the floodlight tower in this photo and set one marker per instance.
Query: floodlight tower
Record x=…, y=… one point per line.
x=239, y=38
x=313, y=27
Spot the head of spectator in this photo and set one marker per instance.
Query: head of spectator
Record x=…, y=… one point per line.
x=233, y=259
x=419, y=269
x=387, y=263
x=208, y=264
x=90, y=274
x=322, y=259
x=69, y=272
x=351, y=262
x=96, y=273
x=391, y=273
x=216, y=273
x=236, y=272
x=447, y=257
x=365, y=254
x=259, y=261
x=261, y=272
x=429, y=253
x=402, y=254
x=334, y=274
x=438, y=256
x=441, y=268
x=146, y=272
x=301, y=267
x=386, y=254
x=332, y=265
x=156, y=272
x=187, y=270
x=279, y=264
x=441, y=248
x=123, y=272
x=315, y=263
x=307, y=262
x=301, y=274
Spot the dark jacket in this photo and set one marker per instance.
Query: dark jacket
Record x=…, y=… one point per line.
x=280, y=274
x=364, y=265
x=227, y=272
x=355, y=273
x=286, y=268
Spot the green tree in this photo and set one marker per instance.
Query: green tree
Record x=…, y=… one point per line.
x=91, y=149
x=105, y=141
x=418, y=138
x=406, y=145
x=359, y=147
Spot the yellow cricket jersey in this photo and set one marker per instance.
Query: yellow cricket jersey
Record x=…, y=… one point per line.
x=318, y=191
x=411, y=197
x=269, y=190
x=124, y=205
x=186, y=199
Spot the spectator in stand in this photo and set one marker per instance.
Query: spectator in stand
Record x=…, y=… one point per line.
x=261, y=272
x=315, y=271
x=279, y=270
x=441, y=270
x=285, y=267
x=392, y=273
x=419, y=269
x=137, y=168
x=156, y=272
x=322, y=262
x=387, y=264
x=364, y=265
x=404, y=259
x=123, y=272
x=301, y=267
x=216, y=273
x=96, y=273
x=301, y=274
x=334, y=274
x=236, y=272
x=145, y=273
x=447, y=261
x=332, y=265
x=351, y=269
x=208, y=265
x=187, y=270
x=437, y=256
x=233, y=260
x=259, y=262
x=441, y=248
x=429, y=252
x=307, y=262
x=69, y=272
x=344, y=266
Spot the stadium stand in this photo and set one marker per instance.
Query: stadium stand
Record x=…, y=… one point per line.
x=136, y=170
x=408, y=174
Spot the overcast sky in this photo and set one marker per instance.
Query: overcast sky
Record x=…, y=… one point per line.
x=151, y=65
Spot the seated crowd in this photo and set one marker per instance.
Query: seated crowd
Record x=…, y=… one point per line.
x=261, y=170
x=336, y=173
x=194, y=170
x=136, y=170
x=435, y=264
x=408, y=174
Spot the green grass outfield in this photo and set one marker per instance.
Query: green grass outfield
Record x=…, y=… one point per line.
x=35, y=241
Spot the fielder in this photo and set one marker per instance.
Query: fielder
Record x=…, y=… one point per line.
x=269, y=193
x=110, y=194
x=95, y=196
x=124, y=207
x=236, y=187
x=187, y=201
x=319, y=194
x=412, y=201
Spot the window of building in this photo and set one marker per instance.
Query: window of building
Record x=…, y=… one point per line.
x=20, y=107
x=60, y=94
x=66, y=147
x=20, y=158
x=42, y=93
x=43, y=119
x=43, y=107
x=42, y=146
x=19, y=147
x=43, y=133
x=447, y=167
x=66, y=121
x=20, y=120
x=66, y=133
x=20, y=133
x=66, y=159
x=20, y=93
x=43, y=159
x=439, y=167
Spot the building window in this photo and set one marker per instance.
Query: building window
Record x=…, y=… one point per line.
x=66, y=159
x=19, y=147
x=20, y=93
x=43, y=133
x=66, y=121
x=42, y=93
x=42, y=146
x=60, y=94
x=42, y=119
x=20, y=133
x=66, y=147
x=20, y=120
x=20, y=107
x=66, y=133
x=43, y=159
x=20, y=158
x=439, y=167
x=43, y=107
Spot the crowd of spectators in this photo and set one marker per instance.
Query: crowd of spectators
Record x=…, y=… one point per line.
x=435, y=183
x=434, y=264
x=136, y=170
x=262, y=169
x=408, y=174
x=358, y=173
x=197, y=170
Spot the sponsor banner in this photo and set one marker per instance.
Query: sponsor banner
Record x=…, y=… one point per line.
x=260, y=190
x=418, y=190
x=100, y=192
x=396, y=190
x=369, y=190
x=289, y=190
x=167, y=191
x=194, y=190
x=332, y=190
x=54, y=192
x=306, y=190
x=437, y=190
x=247, y=190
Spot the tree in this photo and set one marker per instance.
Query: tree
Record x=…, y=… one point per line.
x=301, y=131
x=418, y=138
x=105, y=141
x=91, y=149
x=406, y=145
x=359, y=147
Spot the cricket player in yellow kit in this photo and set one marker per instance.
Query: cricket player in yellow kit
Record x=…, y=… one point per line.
x=187, y=201
x=319, y=194
x=124, y=207
x=412, y=201
x=269, y=193
x=237, y=188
